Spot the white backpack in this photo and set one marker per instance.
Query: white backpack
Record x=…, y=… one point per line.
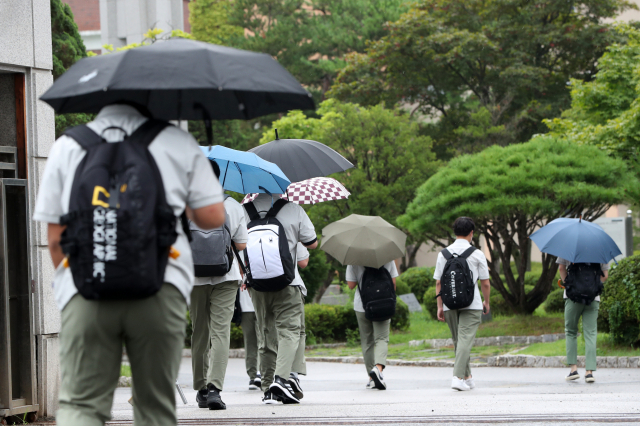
x=267, y=257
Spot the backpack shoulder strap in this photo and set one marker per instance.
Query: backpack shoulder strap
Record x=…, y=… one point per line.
x=226, y=196
x=446, y=253
x=147, y=132
x=252, y=211
x=277, y=206
x=468, y=252
x=85, y=137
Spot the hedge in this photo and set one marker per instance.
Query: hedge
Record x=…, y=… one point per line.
x=324, y=323
x=620, y=303
x=417, y=280
x=555, y=302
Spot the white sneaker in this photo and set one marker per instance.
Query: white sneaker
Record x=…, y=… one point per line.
x=377, y=378
x=459, y=384
x=470, y=382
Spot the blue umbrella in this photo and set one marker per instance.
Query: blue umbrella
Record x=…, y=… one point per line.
x=576, y=240
x=245, y=172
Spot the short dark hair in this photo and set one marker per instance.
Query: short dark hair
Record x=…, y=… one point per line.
x=216, y=168
x=463, y=226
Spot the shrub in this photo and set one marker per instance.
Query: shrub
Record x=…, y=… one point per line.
x=555, y=301
x=418, y=280
x=323, y=321
x=402, y=288
x=430, y=302
x=499, y=306
x=401, y=319
x=237, y=338
x=189, y=332
x=620, y=306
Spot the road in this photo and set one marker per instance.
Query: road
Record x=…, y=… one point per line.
x=336, y=394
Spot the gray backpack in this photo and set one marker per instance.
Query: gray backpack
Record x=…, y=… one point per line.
x=211, y=249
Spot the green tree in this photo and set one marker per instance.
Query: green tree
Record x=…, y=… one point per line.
x=67, y=48
x=484, y=72
x=310, y=37
x=315, y=274
x=604, y=111
x=511, y=191
x=209, y=21
x=391, y=160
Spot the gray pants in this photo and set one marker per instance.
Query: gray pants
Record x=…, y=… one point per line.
x=211, y=313
x=91, y=339
x=250, y=334
x=278, y=314
x=374, y=338
x=463, y=324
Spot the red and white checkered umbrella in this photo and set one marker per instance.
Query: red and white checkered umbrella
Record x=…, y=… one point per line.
x=311, y=191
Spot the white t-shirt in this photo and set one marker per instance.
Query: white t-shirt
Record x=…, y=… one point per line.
x=297, y=225
x=245, y=301
x=477, y=264
x=354, y=273
x=565, y=262
x=238, y=229
x=186, y=175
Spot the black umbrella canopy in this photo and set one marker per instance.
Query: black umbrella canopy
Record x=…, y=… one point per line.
x=302, y=159
x=181, y=79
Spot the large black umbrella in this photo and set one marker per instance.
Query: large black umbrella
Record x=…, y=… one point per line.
x=181, y=79
x=302, y=159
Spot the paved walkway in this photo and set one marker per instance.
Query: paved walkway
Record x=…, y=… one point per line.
x=335, y=394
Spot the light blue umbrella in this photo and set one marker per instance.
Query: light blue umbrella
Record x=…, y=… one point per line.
x=245, y=172
x=576, y=240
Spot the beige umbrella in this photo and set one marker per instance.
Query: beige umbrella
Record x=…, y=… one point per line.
x=363, y=240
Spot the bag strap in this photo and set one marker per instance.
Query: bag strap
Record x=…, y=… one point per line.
x=277, y=206
x=252, y=211
x=446, y=253
x=85, y=137
x=235, y=251
x=185, y=225
x=147, y=132
x=468, y=252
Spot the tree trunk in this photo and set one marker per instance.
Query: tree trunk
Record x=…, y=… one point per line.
x=325, y=285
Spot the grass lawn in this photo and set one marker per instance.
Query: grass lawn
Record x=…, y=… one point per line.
x=604, y=348
x=125, y=370
x=423, y=327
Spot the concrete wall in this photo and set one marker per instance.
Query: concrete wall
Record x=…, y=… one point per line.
x=25, y=47
x=124, y=22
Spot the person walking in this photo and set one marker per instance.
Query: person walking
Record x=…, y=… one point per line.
x=212, y=304
x=374, y=335
x=463, y=321
x=279, y=313
x=574, y=310
x=151, y=328
x=251, y=335
x=299, y=366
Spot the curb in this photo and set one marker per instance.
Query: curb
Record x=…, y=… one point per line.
x=492, y=341
x=396, y=362
x=532, y=361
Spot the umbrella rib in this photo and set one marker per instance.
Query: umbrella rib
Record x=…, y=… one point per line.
x=226, y=170
x=241, y=178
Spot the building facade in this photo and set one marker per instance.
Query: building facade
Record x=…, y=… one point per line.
x=29, y=319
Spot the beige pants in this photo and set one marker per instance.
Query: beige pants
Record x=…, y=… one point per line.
x=250, y=334
x=463, y=324
x=91, y=339
x=278, y=315
x=211, y=313
x=374, y=339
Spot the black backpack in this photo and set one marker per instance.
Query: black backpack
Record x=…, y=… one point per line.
x=119, y=226
x=267, y=257
x=377, y=294
x=583, y=282
x=456, y=284
x=211, y=249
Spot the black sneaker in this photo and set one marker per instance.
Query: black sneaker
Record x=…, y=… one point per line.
x=572, y=376
x=589, y=378
x=268, y=398
x=201, y=397
x=258, y=380
x=295, y=385
x=214, y=402
x=253, y=385
x=282, y=390
x=377, y=378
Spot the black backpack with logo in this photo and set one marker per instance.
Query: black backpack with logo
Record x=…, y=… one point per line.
x=583, y=282
x=267, y=257
x=456, y=284
x=378, y=294
x=211, y=249
x=120, y=227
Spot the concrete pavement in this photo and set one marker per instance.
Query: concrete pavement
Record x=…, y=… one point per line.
x=336, y=394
